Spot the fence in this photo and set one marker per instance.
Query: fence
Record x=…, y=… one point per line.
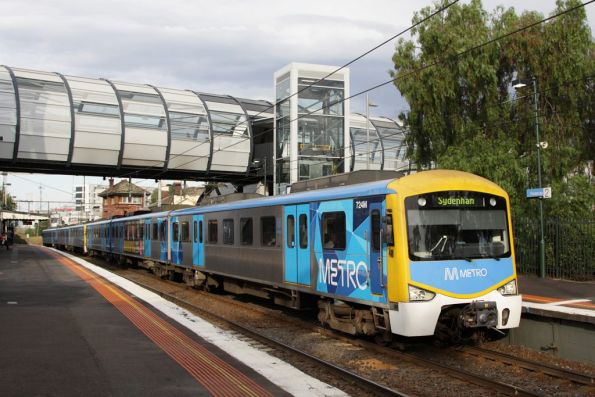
x=569, y=247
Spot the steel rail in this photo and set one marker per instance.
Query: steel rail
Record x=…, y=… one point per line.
x=461, y=374
x=344, y=374
x=531, y=365
x=457, y=373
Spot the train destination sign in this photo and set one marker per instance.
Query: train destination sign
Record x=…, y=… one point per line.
x=457, y=200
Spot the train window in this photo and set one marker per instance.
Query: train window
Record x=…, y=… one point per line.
x=303, y=231
x=333, y=230
x=162, y=230
x=141, y=232
x=228, y=231
x=155, y=231
x=290, y=231
x=375, y=230
x=185, y=232
x=388, y=235
x=213, y=231
x=268, y=231
x=175, y=231
x=246, y=231
x=200, y=232
x=195, y=231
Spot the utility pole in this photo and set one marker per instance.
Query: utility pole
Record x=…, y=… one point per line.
x=368, y=151
x=266, y=189
x=517, y=84
x=3, y=201
x=541, y=240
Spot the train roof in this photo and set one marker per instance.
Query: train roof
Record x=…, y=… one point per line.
x=359, y=190
x=432, y=180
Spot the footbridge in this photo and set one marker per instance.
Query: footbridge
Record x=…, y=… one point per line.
x=59, y=124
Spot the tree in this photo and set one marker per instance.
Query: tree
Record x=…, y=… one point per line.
x=154, y=195
x=464, y=113
x=10, y=204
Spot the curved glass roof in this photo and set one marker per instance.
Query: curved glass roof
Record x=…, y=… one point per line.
x=378, y=144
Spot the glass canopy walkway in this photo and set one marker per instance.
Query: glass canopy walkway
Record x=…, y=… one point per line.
x=54, y=123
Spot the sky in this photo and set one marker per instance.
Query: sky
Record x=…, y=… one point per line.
x=226, y=47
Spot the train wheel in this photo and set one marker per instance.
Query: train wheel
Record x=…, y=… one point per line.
x=448, y=328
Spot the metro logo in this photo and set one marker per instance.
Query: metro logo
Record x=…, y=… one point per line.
x=343, y=273
x=453, y=273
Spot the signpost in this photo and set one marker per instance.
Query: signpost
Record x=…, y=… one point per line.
x=542, y=192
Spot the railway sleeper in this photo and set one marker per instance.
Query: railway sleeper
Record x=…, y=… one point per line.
x=345, y=318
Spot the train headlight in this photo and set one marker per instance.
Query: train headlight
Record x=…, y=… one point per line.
x=419, y=294
x=509, y=288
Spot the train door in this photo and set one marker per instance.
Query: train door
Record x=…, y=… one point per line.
x=147, y=238
x=297, y=244
x=120, y=240
x=198, y=244
x=162, y=225
x=175, y=240
x=375, y=248
x=85, y=239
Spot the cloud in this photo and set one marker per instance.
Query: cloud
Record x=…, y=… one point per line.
x=224, y=47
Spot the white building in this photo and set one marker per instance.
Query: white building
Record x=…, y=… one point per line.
x=87, y=202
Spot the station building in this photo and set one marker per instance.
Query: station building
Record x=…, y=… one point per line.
x=54, y=123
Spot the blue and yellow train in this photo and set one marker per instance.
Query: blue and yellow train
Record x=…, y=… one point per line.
x=429, y=253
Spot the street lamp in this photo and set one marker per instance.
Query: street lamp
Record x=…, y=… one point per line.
x=368, y=106
x=517, y=84
x=264, y=168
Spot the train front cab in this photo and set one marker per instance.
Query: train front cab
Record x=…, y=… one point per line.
x=440, y=266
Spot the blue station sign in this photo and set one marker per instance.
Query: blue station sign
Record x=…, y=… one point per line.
x=542, y=192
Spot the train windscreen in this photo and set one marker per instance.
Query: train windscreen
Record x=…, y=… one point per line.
x=457, y=225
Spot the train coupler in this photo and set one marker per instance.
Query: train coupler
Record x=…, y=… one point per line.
x=479, y=314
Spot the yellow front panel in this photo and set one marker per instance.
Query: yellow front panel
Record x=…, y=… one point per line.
x=420, y=183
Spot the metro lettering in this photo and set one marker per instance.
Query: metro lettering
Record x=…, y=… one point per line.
x=454, y=273
x=343, y=273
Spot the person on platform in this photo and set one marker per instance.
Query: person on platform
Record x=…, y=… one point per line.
x=4, y=239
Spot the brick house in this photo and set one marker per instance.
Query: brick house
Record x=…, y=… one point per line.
x=122, y=198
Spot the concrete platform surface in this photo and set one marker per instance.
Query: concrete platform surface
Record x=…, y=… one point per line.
x=67, y=331
x=570, y=300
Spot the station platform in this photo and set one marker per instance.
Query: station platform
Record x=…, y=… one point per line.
x=70, y=328
x=563, y=299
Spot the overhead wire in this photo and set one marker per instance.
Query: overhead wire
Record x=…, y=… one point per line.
x=413, y=72
x=485, y=126
x=158, y=163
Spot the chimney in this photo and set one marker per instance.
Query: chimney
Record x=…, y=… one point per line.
x=111, y=182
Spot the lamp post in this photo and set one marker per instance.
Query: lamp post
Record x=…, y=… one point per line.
x=263, y=167
x=520, y=83
x=266, y=189
x=4, y=184
x=368, y=106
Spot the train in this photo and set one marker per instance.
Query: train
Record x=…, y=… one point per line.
x=430, y=253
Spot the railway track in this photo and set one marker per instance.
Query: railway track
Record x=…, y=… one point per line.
x=372, y=386
x=458, y=373
x=345, y=374
x=363, y=383
x=531, y=365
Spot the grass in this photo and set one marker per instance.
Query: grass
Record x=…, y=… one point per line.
x=20, y=237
